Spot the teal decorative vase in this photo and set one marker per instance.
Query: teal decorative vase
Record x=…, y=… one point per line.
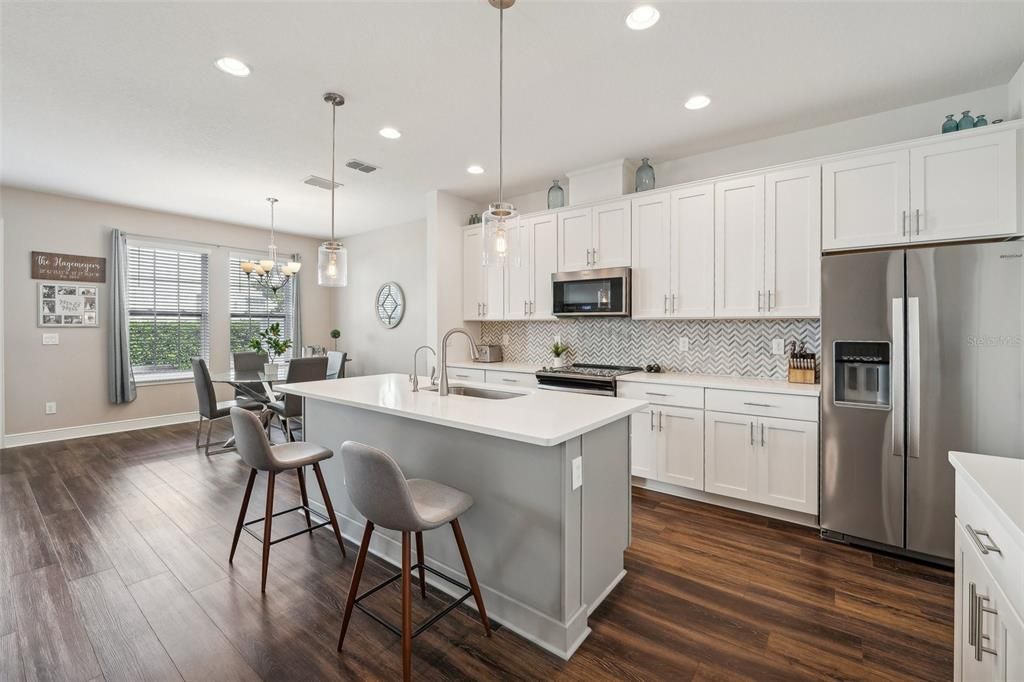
x=949, y=125
x=966, y=121
x=980, y=121
x=644, y=176
x=556, y=195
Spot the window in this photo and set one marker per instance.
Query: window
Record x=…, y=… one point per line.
x=253, y=309
x=168, y=309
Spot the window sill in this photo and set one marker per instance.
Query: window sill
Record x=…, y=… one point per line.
x=164, y=379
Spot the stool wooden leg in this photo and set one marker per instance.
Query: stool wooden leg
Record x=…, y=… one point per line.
x=473, y=585
x=241, y=514
x=266, y=530
x=301, y=471
x=329, y=506
x=353, y=589
x=406, y=609
x=419, y=560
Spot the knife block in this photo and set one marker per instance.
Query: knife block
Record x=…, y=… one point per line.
x=802, y=375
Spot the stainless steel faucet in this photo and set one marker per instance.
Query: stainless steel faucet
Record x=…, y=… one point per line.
x=414, y=377
x=443, y=389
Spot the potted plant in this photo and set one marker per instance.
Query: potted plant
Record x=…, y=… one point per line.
x=558, y=349
x=335, y=334
x=269, y=341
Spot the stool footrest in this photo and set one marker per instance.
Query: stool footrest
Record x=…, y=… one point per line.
x=326, y=522
x=430, y=621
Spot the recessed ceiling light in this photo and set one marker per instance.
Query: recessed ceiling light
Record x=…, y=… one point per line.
x=697, y=102
x=643, y=17
x=475, y=170
x=390, y=133
x=233, y=66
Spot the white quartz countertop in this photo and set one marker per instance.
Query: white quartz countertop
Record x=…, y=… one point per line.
x=538, y=417
x=726, y=382
x=1000, y=479
x=520, y=367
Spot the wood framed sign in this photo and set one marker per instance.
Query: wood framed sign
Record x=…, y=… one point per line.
x=68, y=268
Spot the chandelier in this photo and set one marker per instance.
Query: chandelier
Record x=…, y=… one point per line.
x=270, y=275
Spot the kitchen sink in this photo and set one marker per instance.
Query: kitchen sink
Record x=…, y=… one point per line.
x=474, y=392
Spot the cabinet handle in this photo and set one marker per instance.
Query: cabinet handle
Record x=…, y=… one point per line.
x=666, y=304
x=979, y=623
x=533, y=307
x=751, y=433
x=917, y=221
x=762, y=434
x=652, y=420
x=673, y=304
x=461, y=376
x=595, y=257
x=976, y=536
x=760, y=294
x=903, y=224
x=511, y=381
x=659, y=395
x=972, y=615
x=524, y=306
x=660, y=415
x=770, y=292
x=759, y=404
x=588, y=256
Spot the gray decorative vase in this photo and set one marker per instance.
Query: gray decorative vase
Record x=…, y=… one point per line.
x=644, y=176
x=556, y=195
x=966, y=121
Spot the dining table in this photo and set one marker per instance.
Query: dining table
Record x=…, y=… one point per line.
x=255, y=384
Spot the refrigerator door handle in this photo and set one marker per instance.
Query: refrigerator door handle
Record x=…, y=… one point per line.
x=898, y=376
x=913, y=401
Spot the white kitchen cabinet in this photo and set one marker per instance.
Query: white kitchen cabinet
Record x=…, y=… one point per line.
x=652, y=257
x=643, y=443
x=482, y=287
x=865, y=200
x=544, y=240
x=964, y=188
x=792, y=243
x=987, y=627
x=692, y=292
x=739, y=247
x=729, y=465
x=681, y=446
x=787, y=464
x=518, y=272
x=596, y=237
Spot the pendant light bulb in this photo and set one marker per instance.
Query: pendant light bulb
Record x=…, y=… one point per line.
x=332, y=256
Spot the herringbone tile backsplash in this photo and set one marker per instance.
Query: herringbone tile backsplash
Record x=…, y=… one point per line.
x=736, y=347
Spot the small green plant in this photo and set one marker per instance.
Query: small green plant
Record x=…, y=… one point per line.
x=558, y=349
x=335, y=335
x=269, y=341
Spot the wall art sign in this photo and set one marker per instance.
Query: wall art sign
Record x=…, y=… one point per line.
x=68, y=268
x=68, y=305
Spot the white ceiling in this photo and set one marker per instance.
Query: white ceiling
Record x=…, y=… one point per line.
x=121, y=102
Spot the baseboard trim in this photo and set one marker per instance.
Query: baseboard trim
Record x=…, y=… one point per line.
x=799, y=518
x=16, y=440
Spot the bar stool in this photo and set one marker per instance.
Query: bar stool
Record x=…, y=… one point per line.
x=380, y=492
x=255, y=450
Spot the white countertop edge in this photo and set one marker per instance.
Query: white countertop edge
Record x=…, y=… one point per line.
x=725, y=382
x=971, y=465
x=636, y=406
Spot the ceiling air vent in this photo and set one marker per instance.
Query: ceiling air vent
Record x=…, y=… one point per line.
x=322, y=183
x=361, y=166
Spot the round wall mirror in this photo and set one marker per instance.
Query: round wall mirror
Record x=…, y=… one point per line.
x=390, y=304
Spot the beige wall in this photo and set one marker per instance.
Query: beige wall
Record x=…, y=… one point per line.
x=397, y=254
x=74, y=373
x=1015, y=95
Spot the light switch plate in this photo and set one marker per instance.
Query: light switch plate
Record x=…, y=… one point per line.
x=51, y=339
x=577, y=472
x=778, y=346
x=684, y=344
x=51, y=408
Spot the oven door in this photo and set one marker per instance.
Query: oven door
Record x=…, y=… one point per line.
x=596, y=293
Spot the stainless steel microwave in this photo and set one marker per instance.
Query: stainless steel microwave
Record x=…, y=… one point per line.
x=593, y=293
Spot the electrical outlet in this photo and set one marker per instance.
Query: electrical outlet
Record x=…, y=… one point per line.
x=778, y=346
x=505, y=339
x=51, y=408
x=684, y=344
x=577, y=472
x=558, y=338
x=51, y=339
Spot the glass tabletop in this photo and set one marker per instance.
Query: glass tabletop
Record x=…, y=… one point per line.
x=250, y=376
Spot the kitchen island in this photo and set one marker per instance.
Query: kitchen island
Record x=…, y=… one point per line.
x=549, y=473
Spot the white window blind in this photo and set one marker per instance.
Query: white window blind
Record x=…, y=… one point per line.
x=168, y=309
x=253, y=309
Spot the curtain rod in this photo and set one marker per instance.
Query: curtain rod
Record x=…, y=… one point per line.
x=191, y=242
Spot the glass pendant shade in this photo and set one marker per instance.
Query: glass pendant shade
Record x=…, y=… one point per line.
x=499, y=230
x=332, y=265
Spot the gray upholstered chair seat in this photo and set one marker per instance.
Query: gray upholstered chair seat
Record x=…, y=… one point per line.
x=224, y=407
x=436, y=503
x=299, y=454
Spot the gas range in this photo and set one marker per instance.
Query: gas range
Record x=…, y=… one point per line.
x=583, y=378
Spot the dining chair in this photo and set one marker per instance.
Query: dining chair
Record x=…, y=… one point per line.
x=249, y=361
x=209, y=408
x=289, y=408
x=336, y=364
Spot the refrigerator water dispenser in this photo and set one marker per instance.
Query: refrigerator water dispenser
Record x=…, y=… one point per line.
x=862, y=377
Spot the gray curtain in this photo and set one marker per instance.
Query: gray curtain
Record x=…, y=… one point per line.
x=297, y=313
x=122, y=379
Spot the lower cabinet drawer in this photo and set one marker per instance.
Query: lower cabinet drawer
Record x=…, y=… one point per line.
x=662, y=394
x=463, y=374
x=511, y=378
x=779, y=405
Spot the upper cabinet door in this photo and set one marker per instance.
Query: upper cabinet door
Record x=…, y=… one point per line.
x=693, y=252
x=866, y=201
x=739, y=247
x=793, y=243
x=729, y=466
x=544, y=240
x=494, y=292
x=575, y=240
x=612, y=235
x=518, y=279
x=787, y=464
x=651, y=257
x=681, y=455
x=472, y=274
x=964, y=188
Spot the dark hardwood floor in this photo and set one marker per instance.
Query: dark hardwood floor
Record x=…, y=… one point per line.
x=113, y=565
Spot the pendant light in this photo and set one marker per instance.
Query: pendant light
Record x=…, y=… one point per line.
x=499, y=219
x=332, y=257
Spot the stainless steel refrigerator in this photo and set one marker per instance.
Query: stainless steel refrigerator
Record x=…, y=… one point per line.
x=921, y=354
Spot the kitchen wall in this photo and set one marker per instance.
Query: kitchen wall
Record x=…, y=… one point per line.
x=1015, y=94
x=388, y=254
x=737, y=347
x=74, y=373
